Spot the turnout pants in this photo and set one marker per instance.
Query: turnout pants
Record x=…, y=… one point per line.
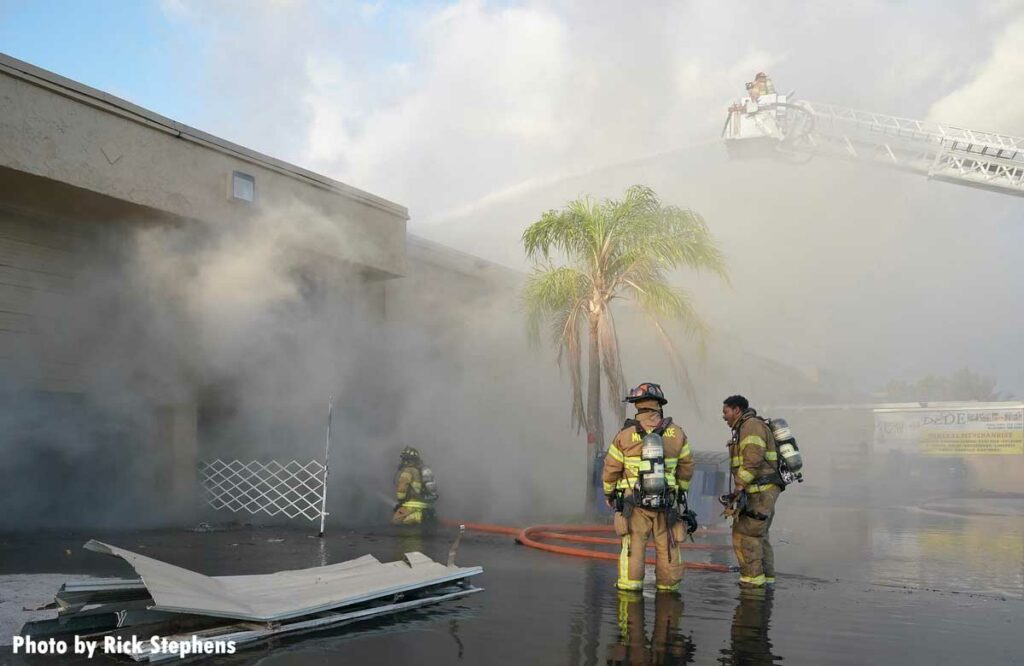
x=750, y=540
x=640, y=525
x=413, y=512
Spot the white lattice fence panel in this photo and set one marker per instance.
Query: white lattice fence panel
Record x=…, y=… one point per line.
x=292, y=489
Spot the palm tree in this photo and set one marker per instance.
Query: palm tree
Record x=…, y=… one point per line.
x=612, y=250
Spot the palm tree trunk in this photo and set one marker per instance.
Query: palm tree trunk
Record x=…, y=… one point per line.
x=595, y=424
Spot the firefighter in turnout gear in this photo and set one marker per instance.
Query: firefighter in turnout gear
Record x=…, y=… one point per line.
x=646, y=474
x=756, y=487
x=415, y=490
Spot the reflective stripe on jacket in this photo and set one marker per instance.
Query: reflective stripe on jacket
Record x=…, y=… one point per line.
x=752, y=453
x=410, y=483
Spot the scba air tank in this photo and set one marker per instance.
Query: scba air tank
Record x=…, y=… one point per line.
x=788, y=450
x=429, y=485
x=652, y=470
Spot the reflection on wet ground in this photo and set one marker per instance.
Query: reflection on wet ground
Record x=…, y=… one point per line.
x=664, y=643
x=857, y=586
x=957, y=545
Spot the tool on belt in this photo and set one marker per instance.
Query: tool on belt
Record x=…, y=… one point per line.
x=680, y=511
x=737, y=504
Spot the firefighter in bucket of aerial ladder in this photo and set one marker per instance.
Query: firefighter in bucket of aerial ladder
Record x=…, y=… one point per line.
x=415, y=490
x=646, y=477
x=761, y=85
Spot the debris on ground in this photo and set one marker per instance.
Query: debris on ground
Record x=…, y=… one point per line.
x=180, y=607
x=22, y=599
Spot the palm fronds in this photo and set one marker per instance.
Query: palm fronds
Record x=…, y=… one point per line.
x=614, y=249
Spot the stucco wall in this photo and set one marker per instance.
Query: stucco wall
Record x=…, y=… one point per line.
x=79, y=171
x=64, y=131
x=39, y=259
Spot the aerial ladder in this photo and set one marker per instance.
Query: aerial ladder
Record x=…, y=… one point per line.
x=766, y=123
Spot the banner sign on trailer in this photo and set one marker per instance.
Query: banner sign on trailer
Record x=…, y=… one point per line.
x=951, y=432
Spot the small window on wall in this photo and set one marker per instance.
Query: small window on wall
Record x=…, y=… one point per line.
x=243, y=187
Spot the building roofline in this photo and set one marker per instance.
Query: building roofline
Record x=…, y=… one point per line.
x=463, y=262
x=107, y=102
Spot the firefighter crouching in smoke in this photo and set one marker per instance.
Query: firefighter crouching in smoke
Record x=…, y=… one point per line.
x=646, y=475
x=415, y=490
x=756, y=486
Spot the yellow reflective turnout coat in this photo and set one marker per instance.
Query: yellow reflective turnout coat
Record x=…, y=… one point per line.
x=409, y=493
x=622, y=465
x=752, y=453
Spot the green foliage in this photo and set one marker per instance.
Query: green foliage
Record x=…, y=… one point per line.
x=589, y=254
x=961, y=385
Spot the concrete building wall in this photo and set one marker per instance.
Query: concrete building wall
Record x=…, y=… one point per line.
x=81, y=172
x=38, y=260
x=58, y=129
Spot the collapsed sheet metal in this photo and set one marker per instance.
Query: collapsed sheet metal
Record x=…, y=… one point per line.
x=114, y=584
x=285, y=594
x=242, y=636
x=73, y=597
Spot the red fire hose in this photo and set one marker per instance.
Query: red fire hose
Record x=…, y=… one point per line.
x=578, y=538
x=531, y=536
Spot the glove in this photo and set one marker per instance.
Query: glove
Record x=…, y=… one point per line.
x=690, y=518
x=398, y=505
x=729, y=502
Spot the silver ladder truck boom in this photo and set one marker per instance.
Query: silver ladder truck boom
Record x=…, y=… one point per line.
x=766, y=123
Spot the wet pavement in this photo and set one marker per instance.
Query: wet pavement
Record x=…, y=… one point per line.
x=938, y=584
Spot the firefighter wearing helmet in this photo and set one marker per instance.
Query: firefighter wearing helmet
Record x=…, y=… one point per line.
x=761, y=85
x=415, y=490
x=757, y=482
x=646, y=476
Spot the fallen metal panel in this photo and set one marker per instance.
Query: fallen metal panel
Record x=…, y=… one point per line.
x=100, y=608
x=73, y=599
x=104, y=585
x=304, y=626
x=285, y=594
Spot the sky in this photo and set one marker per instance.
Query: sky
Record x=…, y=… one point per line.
x=477, y=115
x=398, y=98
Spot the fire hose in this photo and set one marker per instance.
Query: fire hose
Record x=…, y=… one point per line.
x=534, y=535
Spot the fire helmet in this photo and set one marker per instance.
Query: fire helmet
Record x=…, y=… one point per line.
x=409, y=453
x=646, y=391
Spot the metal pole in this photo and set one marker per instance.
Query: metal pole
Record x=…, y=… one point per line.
x=327, y=465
